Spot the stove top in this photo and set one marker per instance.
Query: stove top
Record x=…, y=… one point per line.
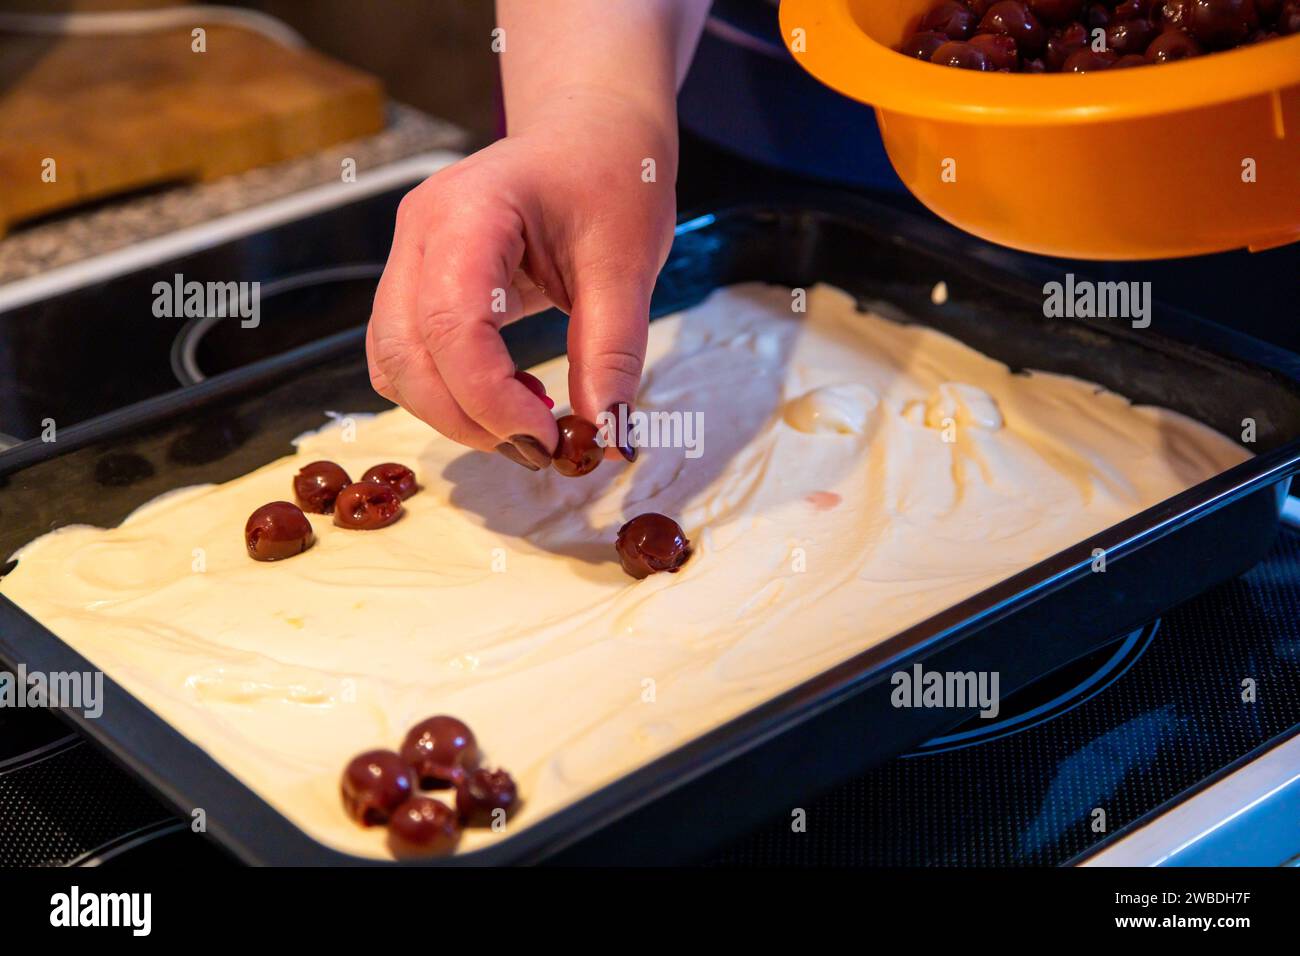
x=97, y=346
x=1126, y=732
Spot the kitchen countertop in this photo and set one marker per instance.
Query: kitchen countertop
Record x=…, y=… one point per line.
x=115, y=223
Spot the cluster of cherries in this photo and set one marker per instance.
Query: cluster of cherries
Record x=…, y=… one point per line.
x=379, y=787
x=1079, y=36
x=648, y=544
x=280, y=530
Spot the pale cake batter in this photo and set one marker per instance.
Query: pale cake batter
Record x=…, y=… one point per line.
x=856, y=476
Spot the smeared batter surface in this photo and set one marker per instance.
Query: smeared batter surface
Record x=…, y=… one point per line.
x=856, y=476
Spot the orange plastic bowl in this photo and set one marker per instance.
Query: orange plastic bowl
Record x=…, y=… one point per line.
x=1133, y=164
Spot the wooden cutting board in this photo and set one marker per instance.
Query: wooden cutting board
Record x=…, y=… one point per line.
x=122, y=113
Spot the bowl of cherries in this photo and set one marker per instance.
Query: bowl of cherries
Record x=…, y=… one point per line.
x=1077, y=36
x=1101, y=129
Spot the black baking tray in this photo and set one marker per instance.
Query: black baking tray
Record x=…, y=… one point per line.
x=827, y=728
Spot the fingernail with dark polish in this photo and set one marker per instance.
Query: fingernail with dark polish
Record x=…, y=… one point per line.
x=532, y=450
x=621, y=412
x=534, y=385
x=511, y=452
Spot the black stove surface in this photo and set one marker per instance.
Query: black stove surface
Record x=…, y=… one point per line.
x=1147, y=720
x=93, y=349
x=1132, y=727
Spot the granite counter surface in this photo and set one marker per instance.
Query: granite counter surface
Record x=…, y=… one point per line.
x=76, y=235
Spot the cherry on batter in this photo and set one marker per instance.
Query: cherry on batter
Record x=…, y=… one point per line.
x=398, y=477
x=367, y=505
x=277, y=531
x=481, y=793
x=651, y=543
x=440, y=750
x=317, y=485
x=423, y=827
x=374, y=784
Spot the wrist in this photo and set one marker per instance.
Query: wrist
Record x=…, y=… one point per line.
x=575, y=102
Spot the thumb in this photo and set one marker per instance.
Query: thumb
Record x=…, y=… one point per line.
x=607, y=342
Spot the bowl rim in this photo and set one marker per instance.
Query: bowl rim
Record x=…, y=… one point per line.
x=841, y=54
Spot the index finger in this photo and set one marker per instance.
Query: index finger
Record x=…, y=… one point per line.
x=466, y=295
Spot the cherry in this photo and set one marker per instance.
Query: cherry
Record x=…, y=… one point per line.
x=1097, y=16
x=1175, y=14
x=374, y=784
x=1288, y=18
x=481, y=793
x=398, y=477
x=1218, y=24
x=318, y=484
x=954, y=20
x=1133, y=9
x=1267, y=10
x=276, y=531
x=1088, y=60
x=999, y=49
x=960, y=54
x=651, y=543
x=1130, y=36
x=1055, y=11
x=1171, y=46
x=921, y=45
x=440, y=749
x=367, y=505
x=1059, y=47
x=578, y=452
x=1130, y=59
x=1013, y=18
x=423, y=827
